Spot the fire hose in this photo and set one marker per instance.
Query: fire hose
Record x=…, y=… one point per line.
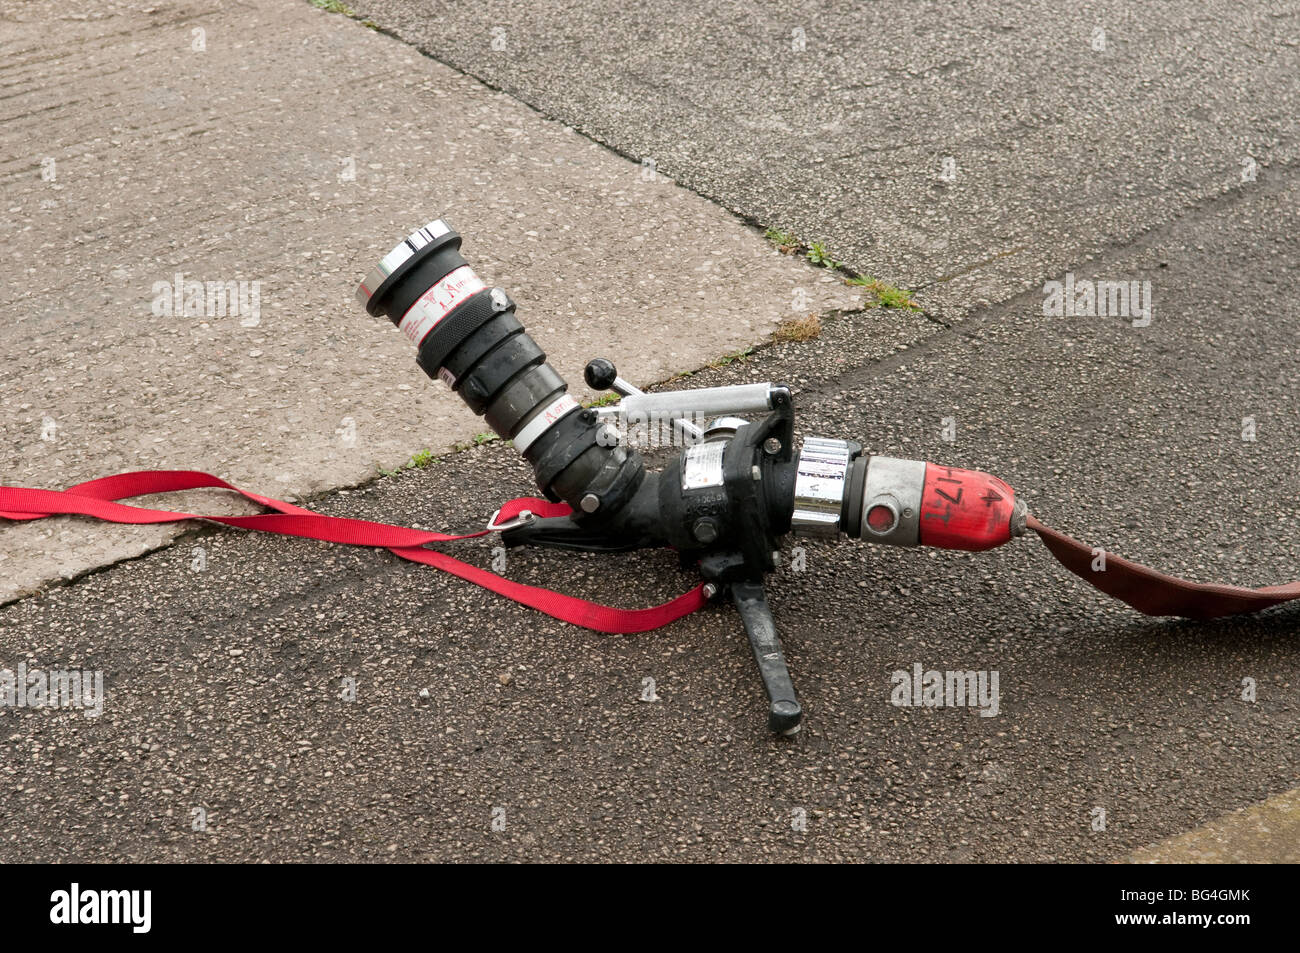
x=723, y=503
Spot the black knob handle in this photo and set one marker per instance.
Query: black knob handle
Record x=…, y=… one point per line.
x=600, y=373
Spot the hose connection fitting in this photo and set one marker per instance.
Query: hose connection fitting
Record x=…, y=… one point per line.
x=821, y=482
x=911, y=503
x=882, y=499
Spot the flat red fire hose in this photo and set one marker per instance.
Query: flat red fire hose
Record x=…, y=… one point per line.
x=1146, y=590
x=1155, y=593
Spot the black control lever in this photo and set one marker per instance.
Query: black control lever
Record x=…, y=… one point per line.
x=784, y=710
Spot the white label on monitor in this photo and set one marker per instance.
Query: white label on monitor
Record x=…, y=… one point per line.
x=702, y=465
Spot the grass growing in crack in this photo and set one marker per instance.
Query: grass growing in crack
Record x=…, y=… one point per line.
x=799, y=329
x=737, y=357
x=783, y=240
x=418, y=461
x=818, y=255
x=814, y=252
x=337, y=6
x=886, y=295
x=427, y=458
x=731, y=358
x=479, y=439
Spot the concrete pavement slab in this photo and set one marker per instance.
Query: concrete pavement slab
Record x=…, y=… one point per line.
x=272, y=152
x=1267, y=833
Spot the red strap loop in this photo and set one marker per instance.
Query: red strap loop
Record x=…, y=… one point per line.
x=98, y=499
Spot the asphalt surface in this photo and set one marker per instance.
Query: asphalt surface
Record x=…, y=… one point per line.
x=224, y=685
x=833, y=120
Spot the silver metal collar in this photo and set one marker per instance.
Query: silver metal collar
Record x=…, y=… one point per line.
x=399, y=256
x=820, y=484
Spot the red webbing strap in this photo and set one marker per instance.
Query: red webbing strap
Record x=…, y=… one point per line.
x=1156, y=593
x=97, y=498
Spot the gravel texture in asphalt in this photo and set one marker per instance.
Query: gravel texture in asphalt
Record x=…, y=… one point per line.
x=968, y=149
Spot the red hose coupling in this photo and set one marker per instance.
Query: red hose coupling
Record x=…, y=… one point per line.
x=909, y=503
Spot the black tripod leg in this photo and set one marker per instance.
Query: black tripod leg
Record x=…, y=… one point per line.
x=784, y=711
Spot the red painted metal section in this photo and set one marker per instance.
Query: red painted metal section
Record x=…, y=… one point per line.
x=965, y=509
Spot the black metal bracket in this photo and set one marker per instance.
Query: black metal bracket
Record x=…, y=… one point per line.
x=784, y=711
x=564, y=532
x=758, y=475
